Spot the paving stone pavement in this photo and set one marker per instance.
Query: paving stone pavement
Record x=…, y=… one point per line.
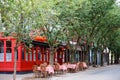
x=111, y=72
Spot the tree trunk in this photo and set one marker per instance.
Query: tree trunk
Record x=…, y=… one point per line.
x=116, y=61
x=15, y=66
x=107, y=58
x=116, y=58
x=95, y=58
x=83, y=56
x=101, y=58
x=111, y=58
x=72, y=58
x=88, y=57
x=52, y=55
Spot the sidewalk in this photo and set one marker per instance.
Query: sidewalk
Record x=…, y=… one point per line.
x=29, y=76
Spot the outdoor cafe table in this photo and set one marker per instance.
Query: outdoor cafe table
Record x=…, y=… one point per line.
x=72, y=66
x=84, y=65
x=63, y=67
x=49, y=69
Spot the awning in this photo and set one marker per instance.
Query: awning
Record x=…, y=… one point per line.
x=40, y=44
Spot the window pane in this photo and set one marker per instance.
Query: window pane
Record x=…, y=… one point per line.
x=1, y=47
x=45, y=56
x=30, y=56
x=8, y=43
x=39, y=55
x=26, y=57
x=34, y=54
x=16, y=54
x=8, y=56
x=23, y=56
x=1, y=50
x=8, y=51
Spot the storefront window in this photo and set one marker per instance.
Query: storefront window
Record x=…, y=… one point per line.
x=30, y=56
x=8, y=51
x=23, y=56
x=1, y=50
x=26, y=56
x=39, y=54
x=34, y=54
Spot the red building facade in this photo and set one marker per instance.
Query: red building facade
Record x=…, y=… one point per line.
x=25, y=59
x=38, y=54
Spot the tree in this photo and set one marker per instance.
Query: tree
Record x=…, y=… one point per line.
x=17, y=16
x=82, y=21
x=114, y=44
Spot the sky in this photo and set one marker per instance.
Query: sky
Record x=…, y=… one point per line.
x=118, y=1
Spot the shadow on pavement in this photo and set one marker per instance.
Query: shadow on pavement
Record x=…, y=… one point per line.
x=32, y=78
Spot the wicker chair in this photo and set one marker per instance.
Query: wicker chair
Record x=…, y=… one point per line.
x=35, y=71
x=81, y=66
x=57, y=68
x=43, y=72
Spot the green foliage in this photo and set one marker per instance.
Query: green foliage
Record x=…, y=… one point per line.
x=114, y=41
x=62, y=20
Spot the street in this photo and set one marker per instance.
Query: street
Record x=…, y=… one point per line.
x=111, y=72
x=102, y=73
